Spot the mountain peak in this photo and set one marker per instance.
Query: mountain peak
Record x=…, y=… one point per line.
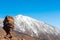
x=33, y=27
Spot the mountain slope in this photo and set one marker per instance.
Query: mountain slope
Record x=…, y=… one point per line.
x=1, y=22
x=16, y=36
x=34, y=28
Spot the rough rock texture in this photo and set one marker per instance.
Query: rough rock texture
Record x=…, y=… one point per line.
x=16, y=36
x=8, y=26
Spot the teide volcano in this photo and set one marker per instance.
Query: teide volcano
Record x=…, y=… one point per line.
x=36, y=29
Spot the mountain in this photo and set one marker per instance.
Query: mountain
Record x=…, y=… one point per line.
x=1, y=22
x=34, y=29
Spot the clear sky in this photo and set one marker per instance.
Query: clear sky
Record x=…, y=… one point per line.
x=45, y=10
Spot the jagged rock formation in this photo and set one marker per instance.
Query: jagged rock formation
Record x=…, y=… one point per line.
x=8, y=26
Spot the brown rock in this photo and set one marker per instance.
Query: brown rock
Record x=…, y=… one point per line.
x=15, y=36
x=8, y=26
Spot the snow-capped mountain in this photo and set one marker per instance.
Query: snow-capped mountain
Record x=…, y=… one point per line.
x=33, y=27
x=1, y=22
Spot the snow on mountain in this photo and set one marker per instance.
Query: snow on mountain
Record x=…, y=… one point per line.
x=1, y=22
x=33, y=27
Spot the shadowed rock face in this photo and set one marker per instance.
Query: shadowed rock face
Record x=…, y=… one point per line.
x=8, y=25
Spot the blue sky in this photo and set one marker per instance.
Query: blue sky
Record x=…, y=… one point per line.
x=45, y=10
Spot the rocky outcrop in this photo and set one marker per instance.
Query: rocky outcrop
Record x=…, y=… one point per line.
x=16, y=36
x=8, y=26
